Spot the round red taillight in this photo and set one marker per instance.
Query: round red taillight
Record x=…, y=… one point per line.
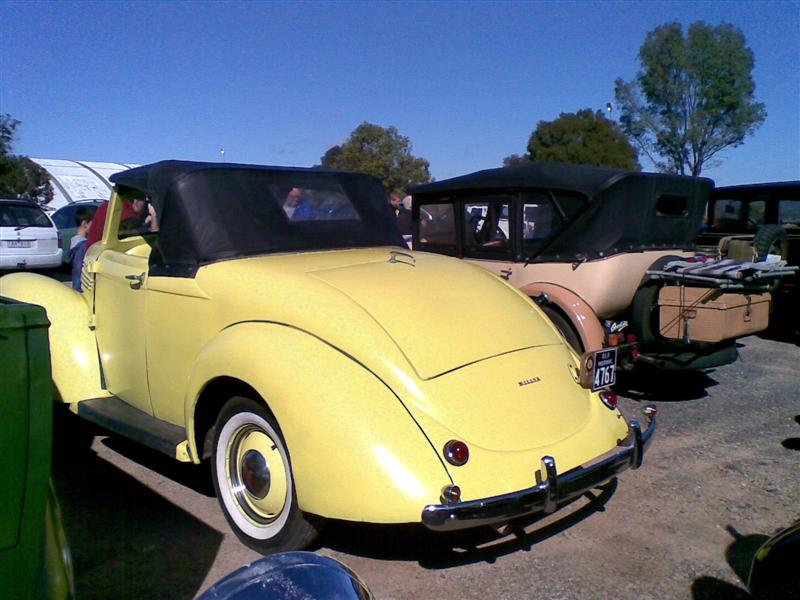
x=456, y=452
x=610, y=399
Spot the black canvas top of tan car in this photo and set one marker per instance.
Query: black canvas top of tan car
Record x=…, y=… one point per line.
x=748, y=189
x=624, y=211
x=217, y=211
x=588, y=180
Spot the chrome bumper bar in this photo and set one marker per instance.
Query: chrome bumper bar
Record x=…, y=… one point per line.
x=548, y=494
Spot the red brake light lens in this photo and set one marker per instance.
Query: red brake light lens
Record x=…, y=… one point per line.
x=610, y=399
x=630, y=338
x=456, y=452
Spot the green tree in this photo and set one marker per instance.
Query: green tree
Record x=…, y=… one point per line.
x=382, y=152
x=693, y=96
x=8, y=128
x=512, y=160
x=20, y=177
x=583, y=138
x=331, y=155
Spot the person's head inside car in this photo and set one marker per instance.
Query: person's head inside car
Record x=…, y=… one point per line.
x=293, y=197
x=396, y=200
x=296, y=206
x=138, y=217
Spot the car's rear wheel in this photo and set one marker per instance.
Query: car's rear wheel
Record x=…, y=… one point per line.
x=565, y=327
x=253, y=480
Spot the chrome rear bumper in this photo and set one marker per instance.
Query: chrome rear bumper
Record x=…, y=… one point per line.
x=548, y=494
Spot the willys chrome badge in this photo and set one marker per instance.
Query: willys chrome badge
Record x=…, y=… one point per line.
x=529, y=381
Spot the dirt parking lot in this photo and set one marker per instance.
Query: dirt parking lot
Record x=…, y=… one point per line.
x=721, y=475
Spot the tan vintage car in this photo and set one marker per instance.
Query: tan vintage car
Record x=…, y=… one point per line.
x=603, y=251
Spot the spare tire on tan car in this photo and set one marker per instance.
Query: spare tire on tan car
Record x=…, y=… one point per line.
x=770, y=239
x=645, y=303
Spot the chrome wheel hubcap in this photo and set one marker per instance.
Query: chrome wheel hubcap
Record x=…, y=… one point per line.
x=255, y=474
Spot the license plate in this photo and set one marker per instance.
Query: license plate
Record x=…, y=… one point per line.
x=18, y=244
x=604, y=371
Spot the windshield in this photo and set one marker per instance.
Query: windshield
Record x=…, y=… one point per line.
x=20, y=215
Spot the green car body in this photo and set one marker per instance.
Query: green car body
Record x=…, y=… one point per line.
x=34, y=556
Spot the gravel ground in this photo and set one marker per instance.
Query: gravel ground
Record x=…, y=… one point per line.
x=721, y=475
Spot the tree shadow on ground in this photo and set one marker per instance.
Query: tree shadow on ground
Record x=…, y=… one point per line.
x=434, y=550
x=128, y=541
x=647, y=384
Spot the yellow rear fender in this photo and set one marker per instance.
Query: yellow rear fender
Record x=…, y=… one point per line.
x=356, y=452
x=73, y=349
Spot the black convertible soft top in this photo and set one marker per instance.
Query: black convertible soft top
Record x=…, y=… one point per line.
x=587, y=180
x=217, y=211
x=752, y=188
x=624, y=211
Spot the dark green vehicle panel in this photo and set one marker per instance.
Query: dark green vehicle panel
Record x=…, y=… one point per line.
x=27, y=506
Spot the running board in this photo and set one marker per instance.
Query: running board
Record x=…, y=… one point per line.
x=120, y=417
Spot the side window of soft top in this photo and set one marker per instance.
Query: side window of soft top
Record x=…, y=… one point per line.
x=138, y=217
x=789, y=213
x=437, y=226
x=540, y=220
x=486, y=223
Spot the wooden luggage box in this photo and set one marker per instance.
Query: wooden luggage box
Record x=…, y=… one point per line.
x=704, y=314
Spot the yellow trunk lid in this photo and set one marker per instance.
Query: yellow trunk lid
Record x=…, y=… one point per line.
x=424, y=302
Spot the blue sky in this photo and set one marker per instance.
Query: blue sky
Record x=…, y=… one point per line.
x=279, y=83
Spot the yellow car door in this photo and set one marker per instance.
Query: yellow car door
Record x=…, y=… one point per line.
x=120, y=301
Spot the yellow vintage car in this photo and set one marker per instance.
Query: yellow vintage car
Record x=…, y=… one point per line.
x=271, y=320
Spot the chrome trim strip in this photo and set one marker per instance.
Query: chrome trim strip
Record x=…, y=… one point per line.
x=546, y=495
x=551, y=489
x=638, y=450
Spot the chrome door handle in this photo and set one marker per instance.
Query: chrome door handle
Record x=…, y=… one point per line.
x=136, y=281
x=505, y=274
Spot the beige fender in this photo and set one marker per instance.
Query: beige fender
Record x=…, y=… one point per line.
x=580, y=314
x=355, y=451
x=73, y=349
